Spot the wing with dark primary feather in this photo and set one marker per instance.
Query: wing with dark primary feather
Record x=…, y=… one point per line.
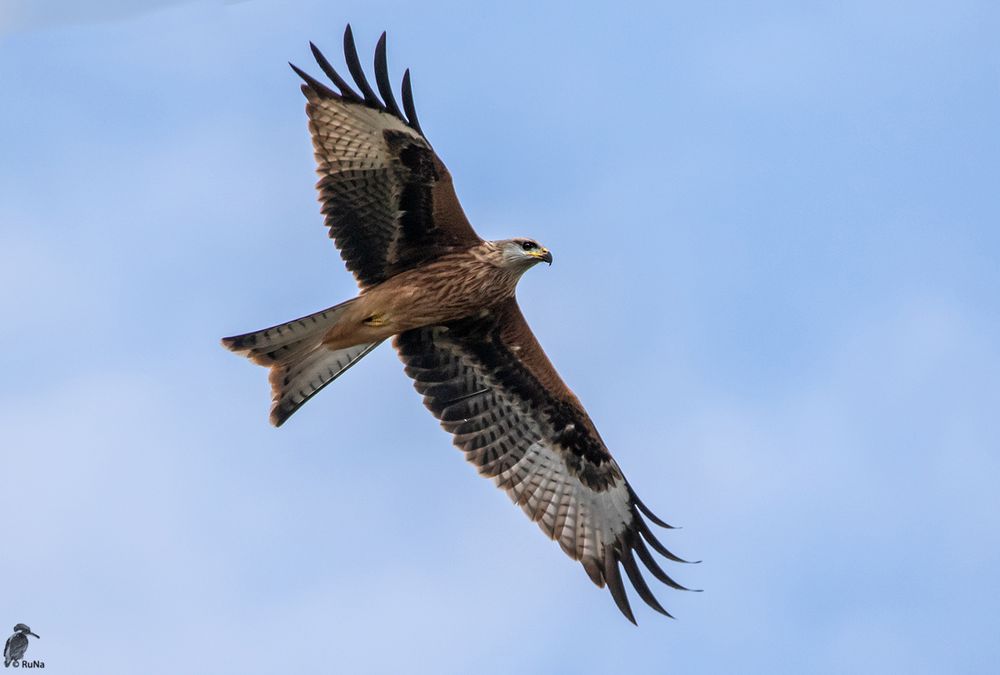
x=489, y=382
x=387, y=198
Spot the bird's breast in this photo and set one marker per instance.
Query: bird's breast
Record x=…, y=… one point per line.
x=446, y=291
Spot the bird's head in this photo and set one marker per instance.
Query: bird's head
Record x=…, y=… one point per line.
x=22, y=628
x=521, y=253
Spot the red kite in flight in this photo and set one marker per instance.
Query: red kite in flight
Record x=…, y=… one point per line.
x=446, y=297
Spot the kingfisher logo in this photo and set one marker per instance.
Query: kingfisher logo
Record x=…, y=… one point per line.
x=17, y=645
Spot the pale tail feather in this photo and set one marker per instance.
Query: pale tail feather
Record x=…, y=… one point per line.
x=262, y=346
x=301, y=365
x=296, y=382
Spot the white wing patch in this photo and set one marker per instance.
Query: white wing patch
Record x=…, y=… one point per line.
x=502, y=421
x=541, y=483
x=353, y=136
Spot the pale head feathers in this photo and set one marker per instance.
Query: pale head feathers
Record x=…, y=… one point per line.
x=517, y=255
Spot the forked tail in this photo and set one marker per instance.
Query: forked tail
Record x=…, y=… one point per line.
x=301, y=365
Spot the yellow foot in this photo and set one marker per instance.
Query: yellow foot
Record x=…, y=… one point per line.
x=375, y=320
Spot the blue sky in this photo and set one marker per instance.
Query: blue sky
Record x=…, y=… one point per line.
x=776, y=231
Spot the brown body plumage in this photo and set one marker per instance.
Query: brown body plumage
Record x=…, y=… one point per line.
x=454, y=286
x=447, y=297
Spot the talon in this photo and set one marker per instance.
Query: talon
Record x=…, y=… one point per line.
x=375, y=320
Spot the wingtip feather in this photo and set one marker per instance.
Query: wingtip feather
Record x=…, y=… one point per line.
x=648, y=535
x=613, y=577
x=639, y=583
x=357, y=71
x=408, y=106
x=646, y=510
x=318, y=87
x=382, y=78
x=345, y=89
x=650, y=562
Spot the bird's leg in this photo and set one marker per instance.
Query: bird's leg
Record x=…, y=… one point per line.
x=376, y=320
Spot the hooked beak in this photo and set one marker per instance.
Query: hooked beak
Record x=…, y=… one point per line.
x=545, y=255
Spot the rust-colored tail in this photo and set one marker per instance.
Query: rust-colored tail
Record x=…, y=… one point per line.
x=301, y=365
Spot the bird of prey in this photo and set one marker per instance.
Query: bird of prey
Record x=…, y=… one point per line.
x=447, y=298
x=17, y=644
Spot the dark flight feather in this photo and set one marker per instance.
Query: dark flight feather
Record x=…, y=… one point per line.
x=357, y=72
x=382, y=79
x=411, y=110
x=390, y=206
x=613, y=577
x=342, y=85
x=317, y=86
x=386, y=196
x=640, y=585
x=490, y=384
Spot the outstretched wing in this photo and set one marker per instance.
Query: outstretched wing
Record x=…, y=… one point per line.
x=387, y=198
x=490, y=384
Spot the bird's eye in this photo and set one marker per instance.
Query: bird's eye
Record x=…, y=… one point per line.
x=528, y=245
